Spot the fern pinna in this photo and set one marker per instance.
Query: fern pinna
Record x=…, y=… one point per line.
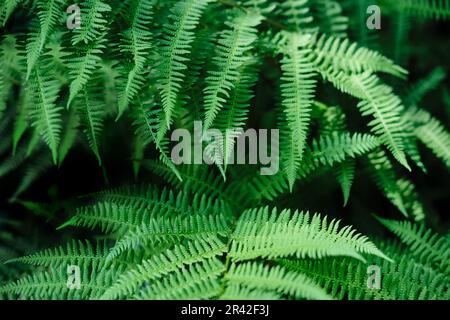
x=362, y=117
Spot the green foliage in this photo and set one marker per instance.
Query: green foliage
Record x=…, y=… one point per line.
x=357, y=110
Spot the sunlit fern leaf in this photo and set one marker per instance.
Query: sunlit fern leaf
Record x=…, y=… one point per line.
x=91, y=110
x=178, y=35
x=172, y=230
x=93, y=21
x=269, y=234
x=229, y=57
x=46, y=115
x=343, y=55
x=277, y=279
x=159, y=266
x=82, y=66
x=298, y=87
x=428, y=247
x=197, y=281
x=76, y=252
x=49, y=13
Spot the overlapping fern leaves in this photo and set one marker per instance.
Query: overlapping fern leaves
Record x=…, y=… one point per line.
x=161, y=65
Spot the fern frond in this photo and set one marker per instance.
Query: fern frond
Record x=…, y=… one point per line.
x=343, y=55
x=171, y=230
x=6, y=9
x=258, y=276
x=79, y=253
x=49, y=12
x=348, y=279
x=93, y=21
x=428, y=247
x=82, y=67
x=178, y=35
x=298, y=88
x=161, y=265
x=430, y=9
x=261, y=233
x=230, y=55
x=434, y=135
x=198, y=281
x=238, y=292
x=386, y=108
x=46, y=116
x=91, y=110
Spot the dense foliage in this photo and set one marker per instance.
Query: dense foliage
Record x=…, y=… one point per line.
x=363, y=119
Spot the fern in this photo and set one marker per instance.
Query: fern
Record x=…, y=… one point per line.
x=176, y=44
x=88, y=108
x=229, y=57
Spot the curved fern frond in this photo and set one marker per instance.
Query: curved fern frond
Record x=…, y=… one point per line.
x=179, y=33
x=298, y=88
x=93, y=21
x=257, y=276
x=198, y=281
x=431, y=9
x=427, y=246
x=230, y=55
x=161, y=265
x=343, y=55
x=434, y=135
x=348, y=279
x=46, y=116
x=171, y=230
x=137, y=42
x=91, y=110
x=261, y=233
x=48, y=15
x=79, y=253
x=82, y=67
x=386, y=108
